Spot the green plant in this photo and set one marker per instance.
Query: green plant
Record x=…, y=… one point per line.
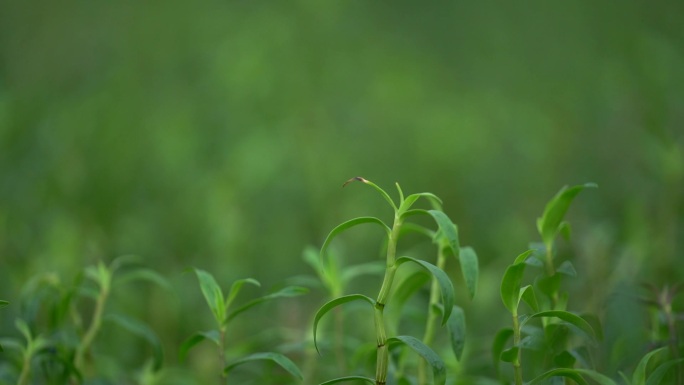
x=33, y=347
x=221, y=308
x=402, y=211
x=547, y=303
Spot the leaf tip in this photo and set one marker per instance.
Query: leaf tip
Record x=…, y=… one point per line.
x=356, y=178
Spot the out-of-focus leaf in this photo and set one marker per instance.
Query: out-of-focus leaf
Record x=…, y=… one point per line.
x=212, y=335
x=3, y=303
x=143, y=274
x=572, y=374
x=568, y=317
x=349, y=378
x=436, y=363
x=405, y=289
x=371, y=268
x=659, y=373
x=510, y=354
x=564, y=359
x=278, y=358
x=567, y=268
x=334, y=303
x=141, y=330
x=639, y=375
x=349, y=224
x=445, y=285
x=499, y=344
x=286, y=292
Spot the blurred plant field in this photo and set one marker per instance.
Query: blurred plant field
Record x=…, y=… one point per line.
x=156, y=158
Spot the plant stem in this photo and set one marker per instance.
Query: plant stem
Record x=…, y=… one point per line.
x=432, y=317
x=26, y=367
x=517, y=367
x=222, y=354
x=94, y=328
x=382, y=362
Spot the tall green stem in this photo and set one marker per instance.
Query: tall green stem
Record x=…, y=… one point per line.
x=382, y=362
x=222, y=354
x=517, y=366
x=94, y=327
x=433, y=315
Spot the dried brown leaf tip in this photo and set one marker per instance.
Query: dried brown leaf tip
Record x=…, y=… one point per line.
x=356, y=178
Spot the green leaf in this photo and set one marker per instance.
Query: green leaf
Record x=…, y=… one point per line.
x=349, y=224
x=568, y=317
x=499, y=344
x=564, y=360
x=510, y=284
x=659, y=373
x=349, y=378
x=598, y=377
x=124, y=260
x=378, y=189
x=456, y=327
x=371, y=268
x=445, y=285
x=3, y=303
x=549, y=223
x=236, y=287
x=143, y=274
x=141, y=330
x=405, y=289
x=469, y=268
x=278, y=358
x=287, y=292
x=438, y=367
x=212, y=294
x=407, y=227
x=567, y=268
x=411, y=199
x=528, y=296
x=639, y=375
x=23, y=327
x=572, y=374
x=212, y=335
x=510, y=354
x=334, y=303
x=447, y=228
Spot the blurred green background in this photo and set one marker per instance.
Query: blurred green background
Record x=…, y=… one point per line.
x=218, y=134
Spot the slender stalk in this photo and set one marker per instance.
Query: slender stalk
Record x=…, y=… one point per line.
x=517, y=366
x=94, y=327
x=433, y=315
x=382, y=362
x=222, y=354
x=26, y=367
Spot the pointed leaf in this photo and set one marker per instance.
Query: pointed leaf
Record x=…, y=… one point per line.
x=212, y=335
x=567, y=268
x=143, y=274
x=287, y=292
x=549, y=223
x=510, y=354
x=659, y=373
x=334, y=303
x=456, y=326
x=371, y=268
x=510, y=284
x=572, y=374
x=445, y=285
x=596, y=376
x=639, y=375
x=469, y=268
x=349, y=224
x=23, y=327
x=236, y=287
x=212, y=294
x=527, y=295
x=568, y=317
x=278, y=358
x=411, y=199
x=499, y=344
x=141, y=330
x=447, y=228
x=376, y=187
x=349, y=378
x=436, y=363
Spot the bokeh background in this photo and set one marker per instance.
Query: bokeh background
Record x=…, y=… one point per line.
x=218, y=134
